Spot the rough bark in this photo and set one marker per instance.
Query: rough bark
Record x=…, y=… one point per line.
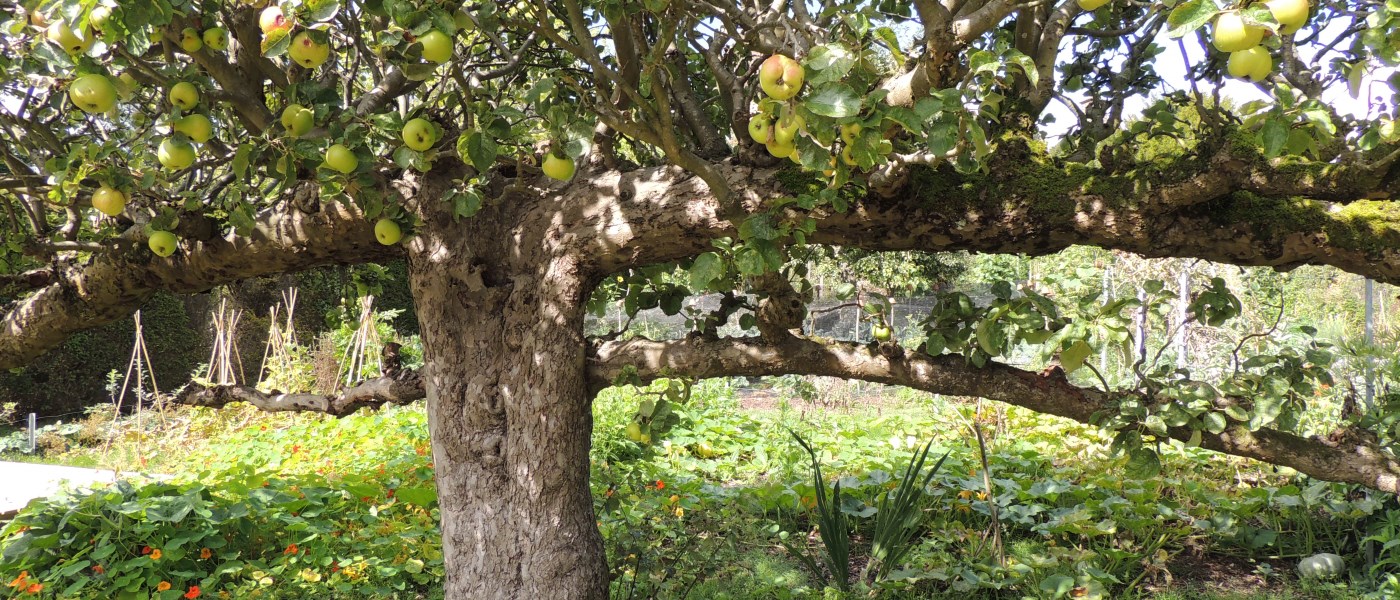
x=509, y=413
x=1348, y=456
x=112, y=285
x=404, y=388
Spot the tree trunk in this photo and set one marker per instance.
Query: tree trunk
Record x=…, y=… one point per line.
x=510, y=417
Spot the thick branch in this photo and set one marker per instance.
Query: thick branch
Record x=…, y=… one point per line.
x=113, y=285
x=406, y=388
x=1351, y=459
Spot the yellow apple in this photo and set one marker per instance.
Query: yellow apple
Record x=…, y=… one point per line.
x=216, y=38
x=780, y=77
x=387, y=232
x=196, y=126
x=190, y=41
x=788, y=126
x=1290, y=14
x=782, y=150
x=1253, y=64
x=1232, y=34
x=99, y=16
x=307, y=51
x=184, y=95
x=126, y=86
x=60, y=33
x=558, y=167
x=1091, y=5
x=109, y=201
x=760, y=128
x=175, y=153
x=419, y=134
x=93, y=93
x=163, y=243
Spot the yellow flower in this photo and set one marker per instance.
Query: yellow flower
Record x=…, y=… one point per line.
x=680, y=512
x=965, y=494
x=981, y=495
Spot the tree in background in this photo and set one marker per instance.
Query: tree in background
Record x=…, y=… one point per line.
x=518, y=155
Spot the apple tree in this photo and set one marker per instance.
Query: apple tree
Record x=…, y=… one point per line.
x=532, y=159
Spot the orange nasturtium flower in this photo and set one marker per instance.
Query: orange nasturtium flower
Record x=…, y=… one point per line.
x=98, y=569
x=162, y=586
x=660, y=485
x=291, y=549
x=19, y=581
x=35, y=588
x=155, y=554
x=193, y=593
x=205, y=553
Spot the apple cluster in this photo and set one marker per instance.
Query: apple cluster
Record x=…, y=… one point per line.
x=777, y=123
x=1243, y=40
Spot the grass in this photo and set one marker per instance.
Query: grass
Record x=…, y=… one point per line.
x=698, y=512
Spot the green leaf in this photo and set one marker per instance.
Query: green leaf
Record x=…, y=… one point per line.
x=706, y=269
x=836, y=100
x=1190, y=16
x=481, y=150
x=891, y=40
x=1057, y=585
x=829, y=62
x=1214, y=422
x=1073, y=357
x=1143, y=464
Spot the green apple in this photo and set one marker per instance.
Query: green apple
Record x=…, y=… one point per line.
x=782, y=150
x=93, y=93
x=1290, y=14
x=881, y=332
x=1091, y=5
x=298, y=120
x=634, y=431
x=60, y=33
x=760, y=128
x=849, y=132
x=780, y=77
x=184, y=95
x=437, y=47
x=175, y=153
x=271, y=19
x=387, y=231
x=216, y=38
x=419, y=134
x=38, y=19
x=847, y=157
x=558, y=167
x=190, y=41
x=99, y=16
x=109, y=201
x=307, y=51
x=1253, y=64
x=787, y=127
x=1232, y=34
x=163, y=243
x=196, y=126
x=342, y=159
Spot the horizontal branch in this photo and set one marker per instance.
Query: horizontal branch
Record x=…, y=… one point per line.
x=405, y=388
x=112, y=285
x=1347, y=458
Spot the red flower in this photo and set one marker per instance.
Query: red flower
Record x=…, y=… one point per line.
x=291, y=549
x=205, y=553
x=145, y=550
x=98, y=569
x=660, y=485
x=335, y=566
x=35, y=588
x=193, y=593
